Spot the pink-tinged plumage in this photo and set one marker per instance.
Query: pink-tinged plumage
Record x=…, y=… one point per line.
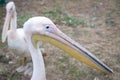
x=38, y=29
x=15, y=37
x=16, y=42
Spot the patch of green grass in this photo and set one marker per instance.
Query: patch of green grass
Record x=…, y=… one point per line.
x=118, y=2
x=60, y=17
x=75, y=72
x=62, y=60
x=118, y=9
x=66, y=67
x=14, y=76
x=72, y=21
x=3, y=77
x=1, y=72
x=22, y=19
x=110, y=20
x=3, y=59
x=2, y=44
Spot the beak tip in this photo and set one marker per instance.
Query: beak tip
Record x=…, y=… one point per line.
x=111, y=71
x=108, y=70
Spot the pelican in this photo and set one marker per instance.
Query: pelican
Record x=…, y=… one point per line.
x=42, y=29
x=15, y=36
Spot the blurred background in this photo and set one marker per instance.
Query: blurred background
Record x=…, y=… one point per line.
x=95, y=24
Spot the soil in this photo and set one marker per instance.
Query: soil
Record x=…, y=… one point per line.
x=103, y=39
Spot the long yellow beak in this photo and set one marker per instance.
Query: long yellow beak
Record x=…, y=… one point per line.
x=62, y=41
x=6, y=26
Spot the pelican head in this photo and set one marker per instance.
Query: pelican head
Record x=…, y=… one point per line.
x=43, y=29
x=10, y=7
x=10, y=13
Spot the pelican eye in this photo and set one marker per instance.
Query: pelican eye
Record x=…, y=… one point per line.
x=47, y=27
x=11, y=9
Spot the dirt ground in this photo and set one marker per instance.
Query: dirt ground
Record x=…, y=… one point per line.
x=100, y=34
